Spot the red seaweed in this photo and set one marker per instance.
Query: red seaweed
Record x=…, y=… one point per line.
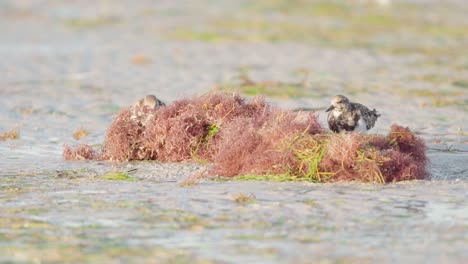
x=239, y=137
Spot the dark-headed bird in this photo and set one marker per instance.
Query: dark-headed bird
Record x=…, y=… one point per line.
x=348, y=116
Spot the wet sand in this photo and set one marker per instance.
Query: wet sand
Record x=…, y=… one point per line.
x=71, y=66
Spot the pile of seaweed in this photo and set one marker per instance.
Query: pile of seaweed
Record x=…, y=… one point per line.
x=240, y=137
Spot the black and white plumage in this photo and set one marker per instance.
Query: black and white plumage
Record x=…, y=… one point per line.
x=348, y=116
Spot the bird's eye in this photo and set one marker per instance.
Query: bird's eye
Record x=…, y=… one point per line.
x=340, y=102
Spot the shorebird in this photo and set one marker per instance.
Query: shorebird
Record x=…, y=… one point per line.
x=150, y=101
x=348, y=116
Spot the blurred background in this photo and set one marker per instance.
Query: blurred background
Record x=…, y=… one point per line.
x=67, y=67
x=70, y=65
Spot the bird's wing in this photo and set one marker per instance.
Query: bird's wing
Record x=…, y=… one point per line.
x=369, y=116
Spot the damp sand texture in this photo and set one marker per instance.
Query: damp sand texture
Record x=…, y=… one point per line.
x=70, y=67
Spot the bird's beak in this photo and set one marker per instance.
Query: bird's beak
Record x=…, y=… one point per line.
x=330, y=108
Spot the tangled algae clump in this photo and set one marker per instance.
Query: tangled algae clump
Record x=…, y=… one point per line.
x=249, y=137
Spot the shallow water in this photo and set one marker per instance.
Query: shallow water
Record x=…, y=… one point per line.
x=58, y=76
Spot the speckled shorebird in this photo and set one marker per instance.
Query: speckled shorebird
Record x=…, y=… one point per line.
x=150, y=101
x=348, y=116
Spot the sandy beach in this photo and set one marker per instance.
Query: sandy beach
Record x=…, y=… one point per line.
x=71, y=66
